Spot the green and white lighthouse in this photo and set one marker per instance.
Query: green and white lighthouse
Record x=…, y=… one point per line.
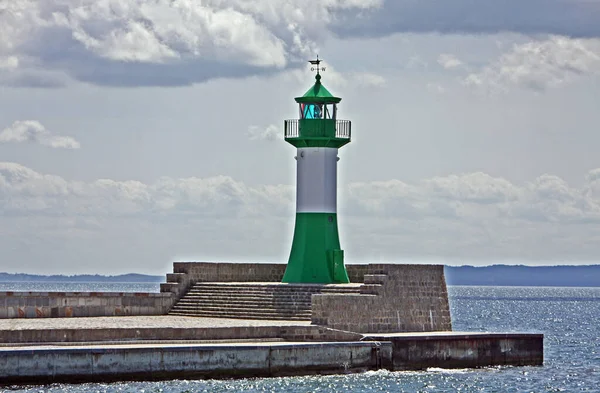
x=316, y=255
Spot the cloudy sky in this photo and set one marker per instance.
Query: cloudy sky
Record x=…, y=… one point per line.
x=138, y=132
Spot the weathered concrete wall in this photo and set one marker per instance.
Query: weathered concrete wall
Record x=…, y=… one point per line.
x=82, y=304
x=396, y=298
x=465, y=350
x=106, y=363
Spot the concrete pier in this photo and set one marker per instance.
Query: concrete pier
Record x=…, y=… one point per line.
x=86, y=363
x=161, y=328
x=233, y=320
x=165, y=347
x=414, y=351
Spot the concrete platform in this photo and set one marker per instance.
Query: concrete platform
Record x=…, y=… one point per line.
x=99, y=329
x=86, y=363
x=413, y=351
x=128, y=322
x=164, y=347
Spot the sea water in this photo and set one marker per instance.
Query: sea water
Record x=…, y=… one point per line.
x=568, y=317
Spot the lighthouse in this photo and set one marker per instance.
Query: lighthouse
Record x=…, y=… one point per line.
x=317, y=134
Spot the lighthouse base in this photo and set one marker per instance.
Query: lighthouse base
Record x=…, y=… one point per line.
x=316, y=256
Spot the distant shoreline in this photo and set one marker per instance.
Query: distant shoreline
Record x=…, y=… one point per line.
x=76, y=278
x=520, y=275
x=494, y=275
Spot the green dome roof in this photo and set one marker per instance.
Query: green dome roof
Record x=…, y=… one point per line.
x=318, y=94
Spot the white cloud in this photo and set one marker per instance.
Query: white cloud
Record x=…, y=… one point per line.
x=9, y=63
x=269, y=133
x=449, y=61
x=34, y=132
x=26, y=190
x=476, y=187
x=547, y=198
x=477, y=196
x=459, y=216
x=165, y=42
x=466, y=196
x=161, y=42
x=540, y=64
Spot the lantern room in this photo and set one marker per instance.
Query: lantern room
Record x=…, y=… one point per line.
x=317, y=124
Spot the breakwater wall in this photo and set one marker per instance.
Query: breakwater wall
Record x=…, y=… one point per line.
x=463, y=350
x=82, y=304
x=168, y=361
x=89, y=362
x=392, y=298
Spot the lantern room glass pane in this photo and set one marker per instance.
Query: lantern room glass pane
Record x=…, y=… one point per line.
x=311, y=111
x=318, y=111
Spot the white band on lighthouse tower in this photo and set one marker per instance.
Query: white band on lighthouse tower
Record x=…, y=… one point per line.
x=316, y=188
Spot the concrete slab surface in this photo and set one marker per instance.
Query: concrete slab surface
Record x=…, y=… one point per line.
x=283, y=284
x=198, y=346
x=449, y=335
x=133, y=322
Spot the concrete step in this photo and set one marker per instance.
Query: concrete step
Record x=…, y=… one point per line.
x=258, y=317
x=254, y=297
x=244, y=315
x=280, y=287
x=197, y=289
x=245, y=300
x=242, y=311
x=244, y=292
x=247, y=296
x=236, y=308
x=245, y=312
x=210, y=314
x=277, y=317
x=247, y=307
x=247, y=303
x=255, y=300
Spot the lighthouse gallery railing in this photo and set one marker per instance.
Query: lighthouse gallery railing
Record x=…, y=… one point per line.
x=343, y=129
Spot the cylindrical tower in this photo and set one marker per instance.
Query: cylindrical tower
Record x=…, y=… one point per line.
x=316, y=255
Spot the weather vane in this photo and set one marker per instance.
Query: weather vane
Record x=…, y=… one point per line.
x=315, y=66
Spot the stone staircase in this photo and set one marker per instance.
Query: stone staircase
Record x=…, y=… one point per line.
x=252, y=300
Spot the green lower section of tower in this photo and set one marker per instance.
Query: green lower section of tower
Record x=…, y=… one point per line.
x=316, y=256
